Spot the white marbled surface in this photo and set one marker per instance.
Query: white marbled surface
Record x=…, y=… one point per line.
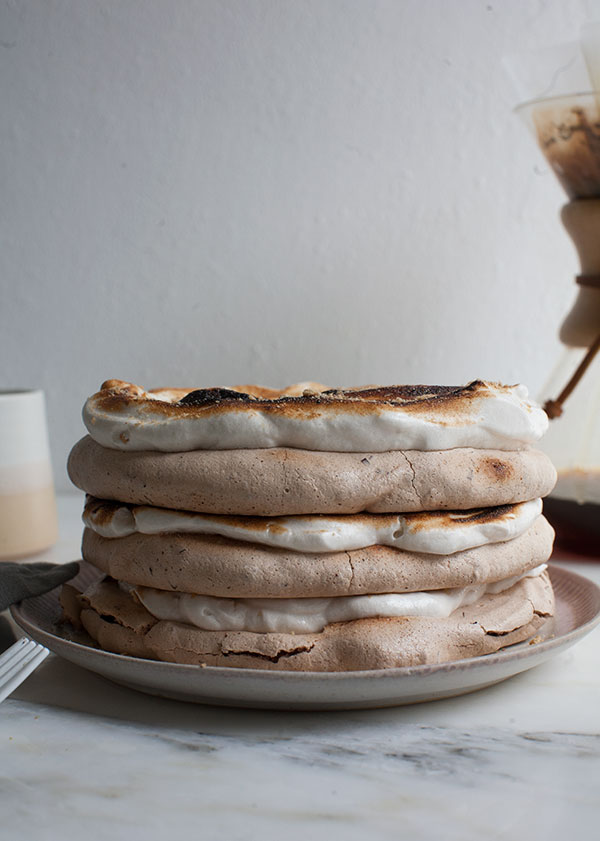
x=518, y=760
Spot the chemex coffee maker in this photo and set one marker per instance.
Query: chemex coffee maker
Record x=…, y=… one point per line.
x=564, y=116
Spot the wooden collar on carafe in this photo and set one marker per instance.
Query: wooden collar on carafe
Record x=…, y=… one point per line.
x=554, y=408
x=581, y=218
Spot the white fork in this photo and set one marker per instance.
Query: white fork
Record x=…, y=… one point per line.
x=18, y=662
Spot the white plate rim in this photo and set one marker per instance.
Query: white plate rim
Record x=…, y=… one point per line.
x=519, y=651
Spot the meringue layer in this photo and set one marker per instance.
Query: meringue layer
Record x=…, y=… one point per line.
x=438, y=533
x=482, y=415
x=298, y=616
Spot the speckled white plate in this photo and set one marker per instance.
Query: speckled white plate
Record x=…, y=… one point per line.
x=577, y=612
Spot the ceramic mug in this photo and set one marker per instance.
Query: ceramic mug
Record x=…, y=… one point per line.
x=28, y=522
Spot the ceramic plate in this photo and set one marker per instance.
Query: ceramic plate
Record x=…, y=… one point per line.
x=577, y=612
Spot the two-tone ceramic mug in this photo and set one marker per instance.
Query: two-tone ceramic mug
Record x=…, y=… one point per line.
x=28, y=522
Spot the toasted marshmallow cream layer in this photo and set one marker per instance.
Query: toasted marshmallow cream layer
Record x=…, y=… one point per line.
x=437, y=532
x=298, y=616
x=374, y=419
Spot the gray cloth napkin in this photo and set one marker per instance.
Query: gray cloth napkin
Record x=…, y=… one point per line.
x=21, y=581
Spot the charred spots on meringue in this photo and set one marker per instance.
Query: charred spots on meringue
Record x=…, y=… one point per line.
x=485, y=515
x=406, y=395
x=211, y=396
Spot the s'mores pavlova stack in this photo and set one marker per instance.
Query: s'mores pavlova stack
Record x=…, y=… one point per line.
x=313, y=529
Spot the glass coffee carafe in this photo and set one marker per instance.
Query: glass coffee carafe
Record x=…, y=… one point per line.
x=567, y=129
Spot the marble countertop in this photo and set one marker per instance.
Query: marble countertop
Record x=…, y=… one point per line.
x=518, y=760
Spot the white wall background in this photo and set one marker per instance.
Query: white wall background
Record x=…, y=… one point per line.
x=205, y=192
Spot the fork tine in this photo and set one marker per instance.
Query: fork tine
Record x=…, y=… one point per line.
x=20, y=666
x=14, y=654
